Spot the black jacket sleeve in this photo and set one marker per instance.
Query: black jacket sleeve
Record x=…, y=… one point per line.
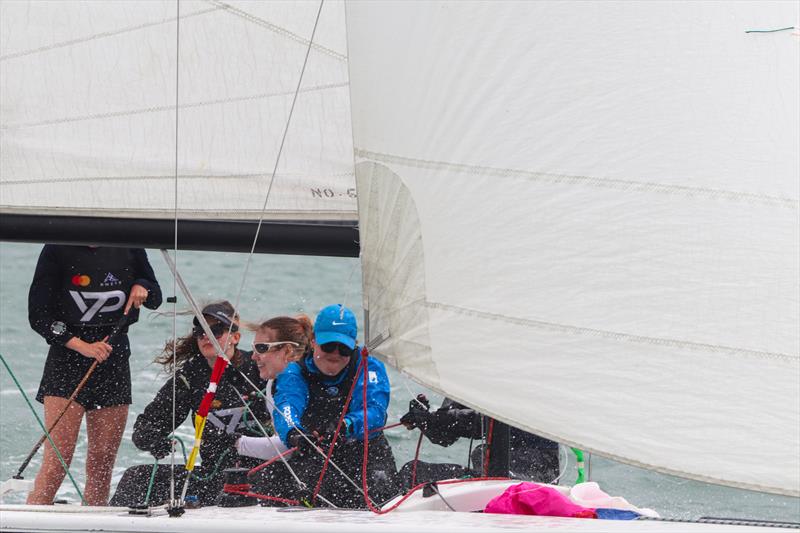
x=451, y=422
x=43, y=309
x=154, y=424
x=146, y=278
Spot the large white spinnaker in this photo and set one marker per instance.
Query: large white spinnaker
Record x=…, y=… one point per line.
x=87, y=110
x=582, y=218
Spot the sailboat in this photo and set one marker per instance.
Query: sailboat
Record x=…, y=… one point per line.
x=579, y=218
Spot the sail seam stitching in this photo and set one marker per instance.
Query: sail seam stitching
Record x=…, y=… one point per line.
x=159, y=109
x=565, y=179
x=278, y=29
x=258, y=176
x=639, y=339
x=102, y=35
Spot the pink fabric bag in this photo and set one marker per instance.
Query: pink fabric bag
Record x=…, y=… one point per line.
x=532, y=499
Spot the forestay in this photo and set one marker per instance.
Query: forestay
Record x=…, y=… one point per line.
x=88, y=104
x=582, y=219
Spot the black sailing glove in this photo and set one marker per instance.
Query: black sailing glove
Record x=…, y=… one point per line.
x=160, y=448
x=418, y=415
x=304, y=443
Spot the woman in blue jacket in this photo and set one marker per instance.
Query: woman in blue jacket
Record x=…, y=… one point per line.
x=310, y=397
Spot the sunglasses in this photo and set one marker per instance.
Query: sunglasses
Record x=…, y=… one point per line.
x=264, y=347
x=344, y=350
x=218, y=330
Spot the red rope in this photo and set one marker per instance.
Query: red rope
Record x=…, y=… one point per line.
x=338, y=428
x=264, y=497
x=488, y=447
x=266, y=464
x=390, y=426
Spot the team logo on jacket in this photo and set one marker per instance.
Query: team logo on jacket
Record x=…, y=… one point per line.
x=104, y=302
x=110, y=280
x=332, y=391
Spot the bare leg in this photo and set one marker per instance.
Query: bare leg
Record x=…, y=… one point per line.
x=104, y=428
x=65, y=434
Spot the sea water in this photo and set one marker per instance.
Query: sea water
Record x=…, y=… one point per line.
x=281, y=285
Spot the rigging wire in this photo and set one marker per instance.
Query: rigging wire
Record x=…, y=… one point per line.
x=175, y=249
x=248, y=262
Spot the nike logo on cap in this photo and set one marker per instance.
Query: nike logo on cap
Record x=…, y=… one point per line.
x=338, y=323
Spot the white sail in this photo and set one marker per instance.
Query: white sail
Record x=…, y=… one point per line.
x=582, y=218
x=88, y=118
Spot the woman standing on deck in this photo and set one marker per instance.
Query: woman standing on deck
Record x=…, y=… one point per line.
x=78, y=295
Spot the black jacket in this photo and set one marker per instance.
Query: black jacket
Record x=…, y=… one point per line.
x=531, y=456
x=226, y=416
x=79, y=291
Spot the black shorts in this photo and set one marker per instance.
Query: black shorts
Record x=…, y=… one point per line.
x=109, y=384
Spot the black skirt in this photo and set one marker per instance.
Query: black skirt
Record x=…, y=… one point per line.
x=109, y=384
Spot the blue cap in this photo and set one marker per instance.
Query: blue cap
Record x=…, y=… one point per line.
x=336, y=323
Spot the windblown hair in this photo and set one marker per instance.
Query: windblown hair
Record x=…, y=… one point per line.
x=186, y=347
x=297, y=329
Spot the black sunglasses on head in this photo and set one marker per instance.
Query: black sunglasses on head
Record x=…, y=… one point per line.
x=344, y=350
x=218, y=329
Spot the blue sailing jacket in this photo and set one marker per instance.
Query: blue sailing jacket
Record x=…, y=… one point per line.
x=309, y=400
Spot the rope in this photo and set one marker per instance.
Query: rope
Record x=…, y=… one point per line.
x=267, y=463
x=488, y=447
x=361, y=364
x=44, y=429
x=264, y=497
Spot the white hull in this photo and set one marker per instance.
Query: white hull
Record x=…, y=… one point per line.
x=417, y=513
x=61, y=519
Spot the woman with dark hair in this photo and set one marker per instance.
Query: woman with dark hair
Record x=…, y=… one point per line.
x=193, y=357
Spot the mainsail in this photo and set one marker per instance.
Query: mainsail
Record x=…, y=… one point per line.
x=581, y=218
x=88, y=116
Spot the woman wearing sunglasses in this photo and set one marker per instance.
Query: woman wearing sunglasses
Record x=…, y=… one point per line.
x=192, y=359
x=278, y=342
x=311, y=396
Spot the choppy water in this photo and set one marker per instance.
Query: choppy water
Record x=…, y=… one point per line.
x=286, y=285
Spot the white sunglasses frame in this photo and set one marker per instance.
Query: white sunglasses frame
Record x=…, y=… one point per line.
x=271, y=344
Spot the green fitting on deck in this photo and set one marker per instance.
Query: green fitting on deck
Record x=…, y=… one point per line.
x=579, y=458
